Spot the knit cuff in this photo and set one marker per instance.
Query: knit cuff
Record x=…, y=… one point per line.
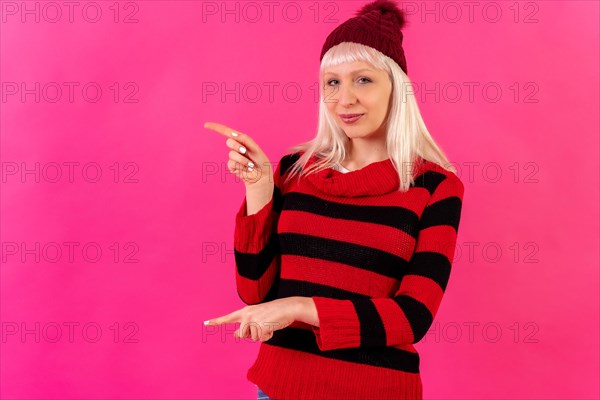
x=339, y=327
x=252, y=232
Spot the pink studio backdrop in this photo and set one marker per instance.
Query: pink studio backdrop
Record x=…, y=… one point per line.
x=118, y=211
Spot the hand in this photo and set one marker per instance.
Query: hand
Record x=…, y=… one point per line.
x=260, y=321
x=246, y=158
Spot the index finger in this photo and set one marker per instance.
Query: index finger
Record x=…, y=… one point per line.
x=240, y=137
x=225, y=319
x=220, y=128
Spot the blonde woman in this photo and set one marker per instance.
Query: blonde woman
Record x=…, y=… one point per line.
x=343, y=253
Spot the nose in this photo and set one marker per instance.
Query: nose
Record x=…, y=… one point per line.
x=346, y=96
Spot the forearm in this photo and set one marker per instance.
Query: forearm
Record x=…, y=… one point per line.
x=257, y=197
x=255, y=250
x=306, y=311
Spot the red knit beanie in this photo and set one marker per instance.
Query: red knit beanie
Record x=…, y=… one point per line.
x=376, y=24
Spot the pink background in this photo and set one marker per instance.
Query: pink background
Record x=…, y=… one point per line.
x=520, y=316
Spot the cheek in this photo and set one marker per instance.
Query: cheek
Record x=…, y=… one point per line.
x=330, y=103
x=380, y=107
x=377, y=107
x=330, y=108
x=329, y=94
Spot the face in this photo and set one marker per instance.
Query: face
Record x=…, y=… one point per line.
x=357, y=88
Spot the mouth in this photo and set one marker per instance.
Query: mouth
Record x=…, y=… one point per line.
x=350, y=118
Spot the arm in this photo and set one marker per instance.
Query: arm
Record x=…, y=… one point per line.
x=406, y=317
x=256, y=249
x=306, y=311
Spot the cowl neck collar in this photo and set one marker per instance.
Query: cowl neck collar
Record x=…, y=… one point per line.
x=374, y=179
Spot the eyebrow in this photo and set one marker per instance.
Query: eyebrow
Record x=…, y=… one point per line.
x=353, y=72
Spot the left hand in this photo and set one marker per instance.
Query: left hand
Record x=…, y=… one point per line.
x=260, y=321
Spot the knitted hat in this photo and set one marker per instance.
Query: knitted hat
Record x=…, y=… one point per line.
x=376, y=25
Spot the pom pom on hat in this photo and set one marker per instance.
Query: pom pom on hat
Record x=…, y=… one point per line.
x=384, y=7
x=378, y=25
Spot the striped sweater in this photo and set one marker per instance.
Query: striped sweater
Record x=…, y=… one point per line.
x=375, y=261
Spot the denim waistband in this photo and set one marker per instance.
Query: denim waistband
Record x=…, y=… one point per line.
x=262, y=395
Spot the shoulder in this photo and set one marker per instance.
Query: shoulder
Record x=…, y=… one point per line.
x=287, y=160
x=439, y=179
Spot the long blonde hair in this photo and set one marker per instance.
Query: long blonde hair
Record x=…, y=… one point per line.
x=407, y=137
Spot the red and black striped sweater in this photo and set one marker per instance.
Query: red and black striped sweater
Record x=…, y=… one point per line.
x=376, y=262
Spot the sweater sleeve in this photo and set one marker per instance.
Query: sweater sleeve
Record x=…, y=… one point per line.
x=256, y=249
x=406, y=317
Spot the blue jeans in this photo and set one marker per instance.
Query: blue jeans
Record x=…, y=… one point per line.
x=262, y=395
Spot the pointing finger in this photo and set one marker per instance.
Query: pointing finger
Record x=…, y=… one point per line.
x=222, y=129
x=238, y=136
x=225, y=319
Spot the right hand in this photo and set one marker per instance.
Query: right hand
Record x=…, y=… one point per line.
x=260, y=172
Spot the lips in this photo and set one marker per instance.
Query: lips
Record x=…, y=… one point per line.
x=350, y=118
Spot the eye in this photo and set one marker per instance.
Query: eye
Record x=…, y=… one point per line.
x=361, y=78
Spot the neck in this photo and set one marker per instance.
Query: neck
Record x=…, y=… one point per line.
x=373, y=179
x=362, y=152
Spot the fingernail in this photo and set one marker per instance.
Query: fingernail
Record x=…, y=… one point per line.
x=250, y=164
x=206, y=322
x=242, y=150
x=234, y=134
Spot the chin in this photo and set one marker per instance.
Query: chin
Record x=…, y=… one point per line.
x=356, y=133
x=350, y=137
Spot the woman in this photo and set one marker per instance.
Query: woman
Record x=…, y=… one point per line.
x=343, y=268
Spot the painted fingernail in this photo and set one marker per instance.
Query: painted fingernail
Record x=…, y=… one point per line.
x=250, y=169
x=250, y=164
x=234, y=134
x=242, y=150
x=206, y=322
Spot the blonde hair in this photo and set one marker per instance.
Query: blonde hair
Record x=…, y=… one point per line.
x=407, y=136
